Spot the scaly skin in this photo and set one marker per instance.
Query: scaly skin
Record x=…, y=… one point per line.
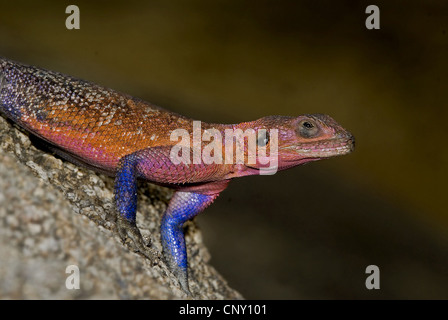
x=128, y=138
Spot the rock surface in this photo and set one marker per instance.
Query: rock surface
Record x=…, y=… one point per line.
x=54, y=214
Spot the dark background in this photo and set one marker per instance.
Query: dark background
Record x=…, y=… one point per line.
x=309, y=232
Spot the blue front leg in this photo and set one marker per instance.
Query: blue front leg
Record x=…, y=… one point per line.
x=126, y=188
x=182, y=207
x=126, y=204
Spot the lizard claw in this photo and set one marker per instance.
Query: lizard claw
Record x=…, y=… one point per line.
x=128, y=230
x=183, y=281
x=180, y=274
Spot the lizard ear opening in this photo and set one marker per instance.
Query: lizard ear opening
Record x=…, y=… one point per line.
x=262, y=138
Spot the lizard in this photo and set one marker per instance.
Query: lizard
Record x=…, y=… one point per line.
x=129, y=139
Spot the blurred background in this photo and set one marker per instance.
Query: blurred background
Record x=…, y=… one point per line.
x=309, y=232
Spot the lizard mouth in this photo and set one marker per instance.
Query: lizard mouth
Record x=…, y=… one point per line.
x=324, y=149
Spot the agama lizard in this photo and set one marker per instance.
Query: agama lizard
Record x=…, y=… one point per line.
x=130, y=139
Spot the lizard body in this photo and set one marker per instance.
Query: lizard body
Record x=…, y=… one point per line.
x=130, y=139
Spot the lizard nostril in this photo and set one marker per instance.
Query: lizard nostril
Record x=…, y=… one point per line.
x=352, y=140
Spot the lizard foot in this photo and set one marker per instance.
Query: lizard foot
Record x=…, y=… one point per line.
x=128, y=230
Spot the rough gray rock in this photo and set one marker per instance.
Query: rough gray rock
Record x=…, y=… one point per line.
x=65, y=216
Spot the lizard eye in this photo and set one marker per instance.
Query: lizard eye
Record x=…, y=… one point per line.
x=308, y=128
x=263, y=138
x=308, y=125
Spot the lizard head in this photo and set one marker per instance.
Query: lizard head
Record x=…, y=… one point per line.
x=291, y=141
